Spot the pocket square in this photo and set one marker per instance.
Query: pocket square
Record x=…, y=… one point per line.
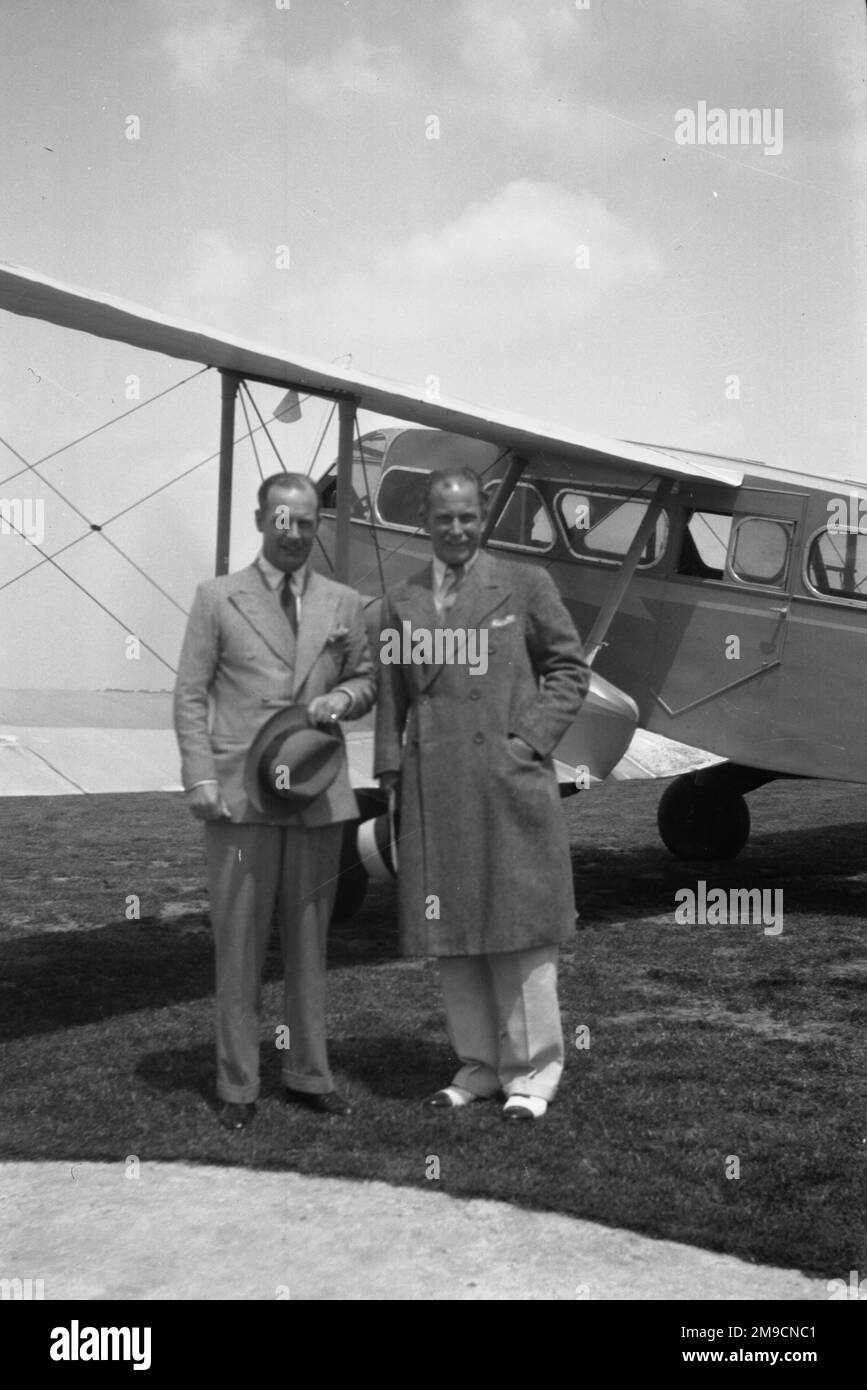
x=502, y=622
x=338, y=635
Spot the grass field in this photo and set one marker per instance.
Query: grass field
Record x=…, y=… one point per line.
x=707, y=1044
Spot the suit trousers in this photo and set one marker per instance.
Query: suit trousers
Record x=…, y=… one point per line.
x=503, y=1020
x=251, y=870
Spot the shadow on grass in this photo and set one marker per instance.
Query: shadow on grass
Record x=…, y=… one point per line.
x=823, y=872
x=62, y=979
x=390, y=1066
x=58, y=979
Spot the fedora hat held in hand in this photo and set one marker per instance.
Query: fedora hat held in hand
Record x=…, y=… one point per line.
x=289, y=763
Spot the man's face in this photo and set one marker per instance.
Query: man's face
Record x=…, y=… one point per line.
x=288, y=522
x=454, y=520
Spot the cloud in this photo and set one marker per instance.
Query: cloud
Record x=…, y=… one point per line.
x=492, y=300
x=582, y=81
x=207, y=41
x=211, y=41
x=529, y=69
x=506, y=42
x=215, y=278
x=355, y=67
x=529, y=228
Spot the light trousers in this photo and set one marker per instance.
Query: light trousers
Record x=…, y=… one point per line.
x=503, y=1019
x=251, y=870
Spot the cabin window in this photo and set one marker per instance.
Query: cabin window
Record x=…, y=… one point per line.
x=837, y=564
x=705, y=545
x=760, y=550
x=367, y=458
x=525, y=522
x=434, y=449
x=400, y=500
x=602, y=527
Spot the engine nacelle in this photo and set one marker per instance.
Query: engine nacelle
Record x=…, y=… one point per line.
x=600, y=735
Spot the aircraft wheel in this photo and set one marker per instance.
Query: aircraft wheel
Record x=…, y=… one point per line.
x=353, y=877
x=702, y=824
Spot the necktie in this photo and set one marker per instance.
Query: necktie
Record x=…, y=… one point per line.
x=288, y=604
x=452, y=580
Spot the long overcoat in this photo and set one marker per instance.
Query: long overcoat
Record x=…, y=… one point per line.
x=483, y=855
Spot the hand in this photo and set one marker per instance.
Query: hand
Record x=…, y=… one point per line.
x=327, y=709
x=206, y=802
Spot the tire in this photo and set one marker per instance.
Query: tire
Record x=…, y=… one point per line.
x=353, y=879
x=702, y=824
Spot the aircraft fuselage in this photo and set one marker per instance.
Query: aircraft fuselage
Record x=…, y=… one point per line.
x=744, y=628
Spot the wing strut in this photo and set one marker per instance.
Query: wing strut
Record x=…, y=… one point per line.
x=605, y=616
x=346, y=440
x=505, y=488
x=229, y=383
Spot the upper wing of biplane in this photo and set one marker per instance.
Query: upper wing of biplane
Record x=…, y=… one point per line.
x=79, y=752
x=35, y=296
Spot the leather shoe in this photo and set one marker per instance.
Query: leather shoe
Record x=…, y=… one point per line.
x=321, y=1103
x=449, y=1098
x=234, y=1115
x=518, y=1108
x=518, y=1113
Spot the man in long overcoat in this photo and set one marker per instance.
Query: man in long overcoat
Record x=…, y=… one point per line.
x=271, y=636
x=484, y=873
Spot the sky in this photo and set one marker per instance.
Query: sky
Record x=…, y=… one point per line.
x=529, y=200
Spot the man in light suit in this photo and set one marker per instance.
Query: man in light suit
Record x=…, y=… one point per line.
x=484, y=871
x=272, y=635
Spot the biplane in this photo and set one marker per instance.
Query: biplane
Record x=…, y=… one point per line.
x=723, y=601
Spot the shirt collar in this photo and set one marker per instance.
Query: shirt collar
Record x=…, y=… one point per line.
x=274, y=577
x=440, y=567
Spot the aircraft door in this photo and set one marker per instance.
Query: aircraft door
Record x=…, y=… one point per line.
x=722, y=620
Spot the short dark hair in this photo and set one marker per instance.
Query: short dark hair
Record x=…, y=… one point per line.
x=453, y=474
x=290, y=480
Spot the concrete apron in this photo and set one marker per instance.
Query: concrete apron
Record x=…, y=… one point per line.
x=183, y=1231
